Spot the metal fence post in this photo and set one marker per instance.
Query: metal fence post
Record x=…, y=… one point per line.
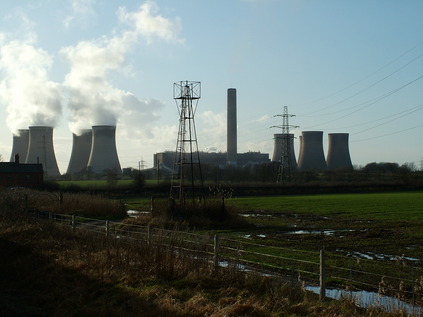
x=73, y=223
x=152, y=205
x=322, y=294
x=216, y=251
x=149, y=235
x=412, y=287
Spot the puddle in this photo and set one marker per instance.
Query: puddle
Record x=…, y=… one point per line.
x=363, y=299
x=136, y=213
x=256, y=215
x=251, y=236
x=367, y=299
x=326, y=232
x=380, y=256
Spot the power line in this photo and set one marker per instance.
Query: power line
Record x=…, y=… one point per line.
x=395, y=115
x=394, y=119
x=365, y=89
x=367, y=76
x=388, y=134
x=374, y=100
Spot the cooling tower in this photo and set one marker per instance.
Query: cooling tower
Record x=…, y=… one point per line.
x=81, y=149
x=312, y=156
x=103, y=155
x=20, y=145
x=301, y=147
x=338, y=152
x=41, y=150
x=283, y=142
x=231, y=127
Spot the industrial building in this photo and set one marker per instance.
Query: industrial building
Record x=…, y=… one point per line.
x=14, y=174
x=167, y=159
x=94, y=150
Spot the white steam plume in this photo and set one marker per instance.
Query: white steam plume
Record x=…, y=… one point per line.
x=30, y=97
x=93, y=100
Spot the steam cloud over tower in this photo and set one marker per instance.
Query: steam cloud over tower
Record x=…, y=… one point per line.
x=81, y=149
x=20, y=145
x=312, y=157
x=41, y=149
x=231, y=127
x=104, y=155
x=338, y=152
x=279, y=143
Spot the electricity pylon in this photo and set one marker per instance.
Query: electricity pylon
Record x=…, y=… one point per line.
x=285, y=167
x=187, y=176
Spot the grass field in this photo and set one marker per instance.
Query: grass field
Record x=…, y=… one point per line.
x=381, y=226
x=380, y=206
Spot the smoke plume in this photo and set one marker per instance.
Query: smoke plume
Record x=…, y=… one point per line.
x=31, y=98
x=93, y=100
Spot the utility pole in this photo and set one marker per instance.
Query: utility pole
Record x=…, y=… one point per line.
x=285, y=167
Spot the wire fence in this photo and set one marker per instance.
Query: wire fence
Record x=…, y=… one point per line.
x=399, y=278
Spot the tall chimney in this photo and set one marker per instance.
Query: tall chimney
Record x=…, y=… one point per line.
x=81, y=149
x=41, y=149
x=338, y=152
x=104, y=155
x=231, y=127
x=20, y=145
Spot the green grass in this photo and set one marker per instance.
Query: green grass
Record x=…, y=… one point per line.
x=380, y=206
x=93, y=183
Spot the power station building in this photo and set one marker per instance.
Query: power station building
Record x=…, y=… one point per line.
x=167, y=159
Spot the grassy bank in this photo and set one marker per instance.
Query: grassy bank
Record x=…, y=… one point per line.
x=48, y=270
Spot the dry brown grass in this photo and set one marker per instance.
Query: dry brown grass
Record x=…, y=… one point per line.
x=67, y=203
x=48, y=270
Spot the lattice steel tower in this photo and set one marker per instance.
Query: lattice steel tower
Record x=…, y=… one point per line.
x=285, y=167
x=187, y=177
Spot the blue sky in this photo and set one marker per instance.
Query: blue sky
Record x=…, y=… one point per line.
x=339, y=66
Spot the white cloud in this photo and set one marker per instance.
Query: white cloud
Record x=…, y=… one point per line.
x=263, y=118
x=148, y=24
x=82, y=13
